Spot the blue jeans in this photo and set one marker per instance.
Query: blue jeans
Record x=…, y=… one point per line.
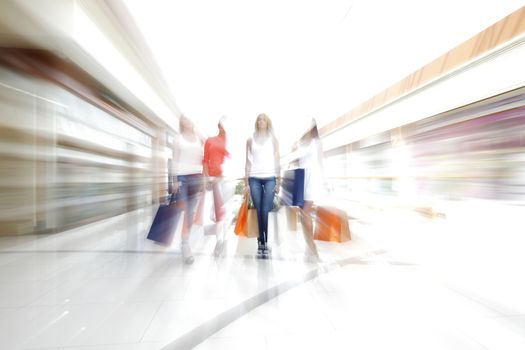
x=190, y=189
x=262, y=192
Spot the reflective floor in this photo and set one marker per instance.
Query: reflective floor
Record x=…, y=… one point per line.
x=404, y=281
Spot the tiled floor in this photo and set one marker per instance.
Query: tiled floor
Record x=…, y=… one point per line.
x=402, y=282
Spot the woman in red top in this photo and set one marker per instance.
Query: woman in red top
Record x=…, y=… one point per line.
x=214, y=154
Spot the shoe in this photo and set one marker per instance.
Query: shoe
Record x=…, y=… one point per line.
x=265, y=251
x=218, y=248
x=187, y=255
x=266, y=254
x=260, y=249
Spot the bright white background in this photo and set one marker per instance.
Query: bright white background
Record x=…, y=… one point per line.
x=296, y=59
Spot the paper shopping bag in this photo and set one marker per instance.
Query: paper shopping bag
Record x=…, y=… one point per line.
x=253, y=224
x=241, y=226
x=331, y=225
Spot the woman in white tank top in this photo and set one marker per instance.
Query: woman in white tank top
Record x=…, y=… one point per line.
x=188, y=168
x=310, y=159
x=262, y=175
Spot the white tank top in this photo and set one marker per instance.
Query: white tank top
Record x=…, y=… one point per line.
x=262, y=158
x=309, y=155
x=190, y=156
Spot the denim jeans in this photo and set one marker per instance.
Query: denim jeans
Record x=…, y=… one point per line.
x=262, y=192
x=190, y=190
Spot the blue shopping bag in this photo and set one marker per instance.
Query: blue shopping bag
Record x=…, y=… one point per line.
x=293, y=187
x=163, y=227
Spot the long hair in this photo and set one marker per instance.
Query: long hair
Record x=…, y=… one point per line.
x=311, y=134
x=314, y=132
x=185, y=124
x=268, y=123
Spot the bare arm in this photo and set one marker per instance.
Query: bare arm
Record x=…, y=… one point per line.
x=320, y=158
x=175, y=166
x=206, y=159
x=277, y=160
x=248, y=165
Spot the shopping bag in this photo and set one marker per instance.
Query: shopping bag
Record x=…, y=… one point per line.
x=273, y=227
x=276, y=205
x=165, y=222
x=298, y=189
x=292, y=215
x=253, y=223
x=241, y=225
x=331, y=225
x=293, y=187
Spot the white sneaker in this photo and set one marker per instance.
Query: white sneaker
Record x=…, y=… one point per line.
x=187, y=255
x=220, y=230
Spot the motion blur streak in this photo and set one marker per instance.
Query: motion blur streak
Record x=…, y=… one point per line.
x=63, y=161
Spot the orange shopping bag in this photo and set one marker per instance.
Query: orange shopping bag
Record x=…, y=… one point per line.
x=241, y=226
x=331, y=225
x=253, y=224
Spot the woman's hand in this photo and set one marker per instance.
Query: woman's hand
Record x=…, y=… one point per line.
x=207, y=183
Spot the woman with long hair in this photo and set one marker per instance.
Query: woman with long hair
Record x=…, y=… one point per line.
x=187, y=161
x=310, y=159
x=262, y=175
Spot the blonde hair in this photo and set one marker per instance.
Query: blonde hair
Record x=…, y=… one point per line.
x=268, y=123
